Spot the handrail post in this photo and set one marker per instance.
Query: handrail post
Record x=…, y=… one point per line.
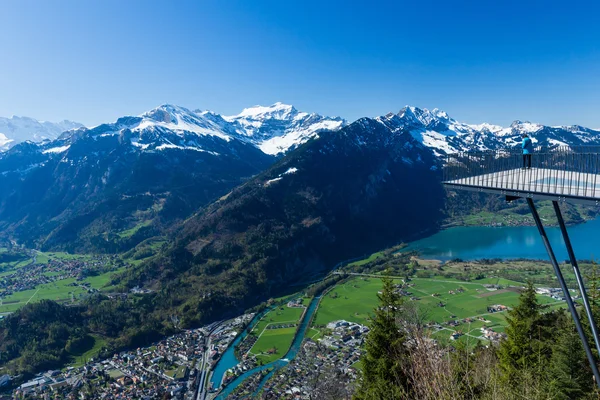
x=584, y=297
x=565, y=290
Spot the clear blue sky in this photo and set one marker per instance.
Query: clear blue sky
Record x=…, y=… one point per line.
x=493, y=61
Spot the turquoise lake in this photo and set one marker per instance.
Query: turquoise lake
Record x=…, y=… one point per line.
x=471, y=243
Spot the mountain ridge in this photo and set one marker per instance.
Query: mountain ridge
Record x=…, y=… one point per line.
x=279, y=128
x=55, y=194
x=16, y=129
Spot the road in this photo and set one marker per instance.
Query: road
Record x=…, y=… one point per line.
x=203, y=370
x=369, y=275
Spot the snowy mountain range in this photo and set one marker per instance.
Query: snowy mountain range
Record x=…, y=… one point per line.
x=20, y=129
x=279, y=128
x=274, y=130
x=445, y=135
x=75, y=191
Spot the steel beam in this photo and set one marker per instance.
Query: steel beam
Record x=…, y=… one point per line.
x=565, y=290
x=584, y=297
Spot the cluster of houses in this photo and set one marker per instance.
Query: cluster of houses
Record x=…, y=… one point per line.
x=344, y=334
x=296, y=303
x=167, y=369
x=555, y=293
x=338, y=351
x=491, y=335
x=32, y=275
x=163, y=369
x=497, y=308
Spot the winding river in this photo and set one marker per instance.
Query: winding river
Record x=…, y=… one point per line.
x=467, y=243
x=276, y=365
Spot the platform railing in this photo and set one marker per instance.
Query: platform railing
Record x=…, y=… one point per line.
x=569, y=171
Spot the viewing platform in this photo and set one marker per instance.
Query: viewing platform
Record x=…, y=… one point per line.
x=561, y=174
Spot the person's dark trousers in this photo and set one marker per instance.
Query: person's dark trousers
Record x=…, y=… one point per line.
x=527, y=160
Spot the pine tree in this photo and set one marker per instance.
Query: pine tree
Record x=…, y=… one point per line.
x=383, y=372
x=593, y=292
x=521, y=349
x=570, y=375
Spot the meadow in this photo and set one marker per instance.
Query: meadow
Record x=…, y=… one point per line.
x=80, y=359
x=440, y=300
x=270, y=338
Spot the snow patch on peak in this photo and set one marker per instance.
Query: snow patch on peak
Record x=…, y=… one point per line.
x=56, y=150
x=276, y=111
x=526, y=127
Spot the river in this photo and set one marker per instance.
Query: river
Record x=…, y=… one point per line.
x=467, y=243
x=470, y=243
x=228, y=359
x=276, y=365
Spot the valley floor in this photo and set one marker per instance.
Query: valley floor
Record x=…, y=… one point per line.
x=458, y=301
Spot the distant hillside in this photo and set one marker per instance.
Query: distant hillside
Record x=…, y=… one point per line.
x=108, y=188
x=341, y=196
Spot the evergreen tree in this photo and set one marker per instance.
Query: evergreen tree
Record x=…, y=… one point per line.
x=523, y=347
x=570, y=374
x=593, y=279
x=383, y=364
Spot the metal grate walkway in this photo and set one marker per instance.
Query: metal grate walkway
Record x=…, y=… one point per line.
x=555, y=175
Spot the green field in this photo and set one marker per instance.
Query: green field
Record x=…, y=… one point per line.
x=279, y=338
x=59, y=291
x=367, y=260
x=63, y=256
x=81, y=359
x=355, y=299
x=352, y=301
x=273, y=344
x=130, y=232
x=177, y=372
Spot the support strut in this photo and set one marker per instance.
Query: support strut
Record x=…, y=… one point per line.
x=565, y=290
x=584, y=297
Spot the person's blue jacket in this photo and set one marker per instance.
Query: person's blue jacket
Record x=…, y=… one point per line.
x=527, y=146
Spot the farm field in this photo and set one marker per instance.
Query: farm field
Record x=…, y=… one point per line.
x=275, y=332
x=352, y=301
x=60, y=291
x=439, y=300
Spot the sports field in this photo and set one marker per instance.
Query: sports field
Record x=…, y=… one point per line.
x=275, y=332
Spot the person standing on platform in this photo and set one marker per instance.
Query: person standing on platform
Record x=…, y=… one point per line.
x=527, y=146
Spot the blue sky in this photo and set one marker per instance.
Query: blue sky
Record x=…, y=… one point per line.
x=496, y=61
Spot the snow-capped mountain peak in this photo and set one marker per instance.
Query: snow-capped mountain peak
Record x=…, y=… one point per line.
x=274, y=129
x=445, y=135
x=278, y=111
x=16, y=129
x=178, y=119
x=280, y=127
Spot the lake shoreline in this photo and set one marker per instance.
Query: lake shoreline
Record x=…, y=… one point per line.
x=506, y=242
